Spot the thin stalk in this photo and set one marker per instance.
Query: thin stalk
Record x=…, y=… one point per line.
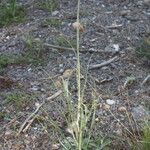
x=78, y=64
x=80, y=116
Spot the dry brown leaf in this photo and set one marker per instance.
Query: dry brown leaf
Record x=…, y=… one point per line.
x=67, y=73
x=5, y=82
x=77, y=25
x=58, y=83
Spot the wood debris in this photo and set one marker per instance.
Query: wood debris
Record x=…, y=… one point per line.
x=103, y=63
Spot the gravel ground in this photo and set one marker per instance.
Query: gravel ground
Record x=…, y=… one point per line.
x=112, y=29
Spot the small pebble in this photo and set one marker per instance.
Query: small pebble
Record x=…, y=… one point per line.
x=54, y=13
x=61, y=65
x=61, y=70
x=96, y=119
x=43, y=90
x=110, y=102
x=35, y=88
x=124, y=12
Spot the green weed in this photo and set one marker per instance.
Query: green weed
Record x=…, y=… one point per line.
x=51, y=22
x=19, y=99
x=144, y=49
x=49, y=5
x=65, y=41
x=4, y=61
x=146, y=137
x=10, y=12
x=34, y=53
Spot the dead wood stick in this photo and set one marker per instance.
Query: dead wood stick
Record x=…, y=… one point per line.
x=103, y=63
x=98, y=51
x=114, y=26
x=37, y=109
x=72, y=49
x=29, y=117
x=29, y=124
x=54, y=95
x=146, y=79
x=58, y=47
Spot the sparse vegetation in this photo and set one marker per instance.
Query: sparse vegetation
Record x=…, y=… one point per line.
x=144, y=49
x=4, y=61
x=51, y=22
x=65, y=41
x=146, y=136
x=34, y=55
x=19, y=99
x=49, y=5
x=11, y=13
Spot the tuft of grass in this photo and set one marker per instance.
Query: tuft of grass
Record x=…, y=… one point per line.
x=19, y=99
x=4, y=62
x=65, y=41
x=49, y=5
x=2, y=115
x=79, y=116
x=34, y=55
x=51, y=22
x=146, y=137
x=144, y=49
x=10, y=13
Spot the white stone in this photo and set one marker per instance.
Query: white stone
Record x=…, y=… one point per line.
x=110, y=102
x=54, y=13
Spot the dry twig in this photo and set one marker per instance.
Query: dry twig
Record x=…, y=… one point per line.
x=114, y=26
x=31, y=117
x=103, y=63
x=54, y=95
x=146, y=79
x=58, y=47
x=29, y=124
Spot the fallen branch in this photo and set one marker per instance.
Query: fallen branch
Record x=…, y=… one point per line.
x=103, y=63
x=58, y=47
x=31, y=117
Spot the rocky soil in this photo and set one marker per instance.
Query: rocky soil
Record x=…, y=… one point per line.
x=113, y=29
